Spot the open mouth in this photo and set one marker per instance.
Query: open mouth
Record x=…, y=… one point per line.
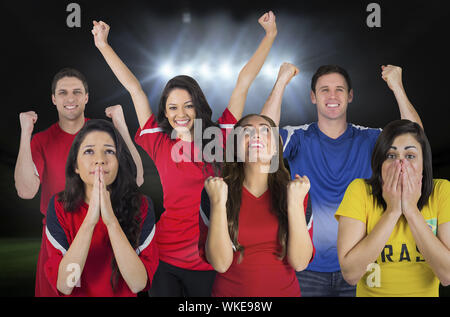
x=72, y=107
x=332, y=105
x=256, y=145
x=182, y=123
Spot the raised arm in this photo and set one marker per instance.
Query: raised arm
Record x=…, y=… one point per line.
x=123, y=74
x=219, y=250
x=392, y=75
x=272, y=107
x=118, y=119
x=299, y=245
x=26, y=181
x=249, y=72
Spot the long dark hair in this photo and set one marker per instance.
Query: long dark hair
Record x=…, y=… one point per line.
x=124, y=193
x=233, y=175
x=379, y=155
x=202, y=109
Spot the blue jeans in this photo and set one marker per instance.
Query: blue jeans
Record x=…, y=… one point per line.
x=324, y=284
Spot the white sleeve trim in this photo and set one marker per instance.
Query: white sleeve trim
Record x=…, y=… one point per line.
x=147, y=131
x=35, y=170
x=291, y=130
x=53, y=241
x=146, y=242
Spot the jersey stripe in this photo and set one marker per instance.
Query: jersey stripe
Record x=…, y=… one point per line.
x=291, y=130
x=53, y=229
x=148, y=228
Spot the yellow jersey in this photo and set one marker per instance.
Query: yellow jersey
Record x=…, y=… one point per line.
x=400, y=270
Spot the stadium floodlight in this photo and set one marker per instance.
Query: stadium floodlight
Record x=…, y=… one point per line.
x=187, y=70
x=205, y=70
x=226, y=70
x=167, y=70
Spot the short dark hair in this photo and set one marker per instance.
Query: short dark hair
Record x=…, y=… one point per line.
x=379, y=155
x=69, y=72
x=330, y=69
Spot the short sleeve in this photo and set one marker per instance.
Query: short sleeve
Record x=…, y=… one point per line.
x=291, y=141
x=38, y=157
x=147, y=249
x=204, y=214
x=56, y=242
x=226, y=123
x=353, y=205
x=442, y=188
x=150, y=137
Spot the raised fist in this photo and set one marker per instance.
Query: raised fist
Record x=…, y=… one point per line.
x=392, y=75
x=100, y=31
x=27, y=121
x=267, y=21
x=217, y=190
x=298, y=188
x=116, y=114
x=287, y=72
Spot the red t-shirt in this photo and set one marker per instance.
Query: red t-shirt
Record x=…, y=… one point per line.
x=260, y=273
x=49, y=150
x=61, y=229
x=182, y=181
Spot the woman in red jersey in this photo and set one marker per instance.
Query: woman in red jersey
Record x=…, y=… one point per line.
x=257, y=221
x=182, y=272
x=100, y=229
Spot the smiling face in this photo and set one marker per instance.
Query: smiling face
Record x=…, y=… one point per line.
x=97, y=148
x=331, y=97
x=70, y=98
x=255, y=140
x=180, y=111
x=404, y=148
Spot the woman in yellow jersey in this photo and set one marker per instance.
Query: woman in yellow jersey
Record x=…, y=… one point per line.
x=394, y=228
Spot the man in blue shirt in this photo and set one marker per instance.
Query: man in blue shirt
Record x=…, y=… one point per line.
x=332, y=153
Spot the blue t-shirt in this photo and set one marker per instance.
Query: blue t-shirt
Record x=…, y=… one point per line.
x=331, y=165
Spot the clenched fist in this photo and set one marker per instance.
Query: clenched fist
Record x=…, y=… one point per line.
x=217, y=190
x=392, y=75
x=27, y=121
x=287, y=72
x=267, y=21
x=298, y=188
x=100, y=30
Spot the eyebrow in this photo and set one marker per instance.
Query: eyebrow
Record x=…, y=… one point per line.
x=259, y=124
x=326, y=86
x=63, y=89
x=91, y=145
x=406, y=147
x=175, y=104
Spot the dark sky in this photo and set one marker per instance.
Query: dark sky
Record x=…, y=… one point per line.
x=36, y=43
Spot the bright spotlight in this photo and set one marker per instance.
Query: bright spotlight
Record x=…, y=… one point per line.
x=205, y=71
x=167, y=70
x=225, y=70
x=269, y=72
x=187, y=70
